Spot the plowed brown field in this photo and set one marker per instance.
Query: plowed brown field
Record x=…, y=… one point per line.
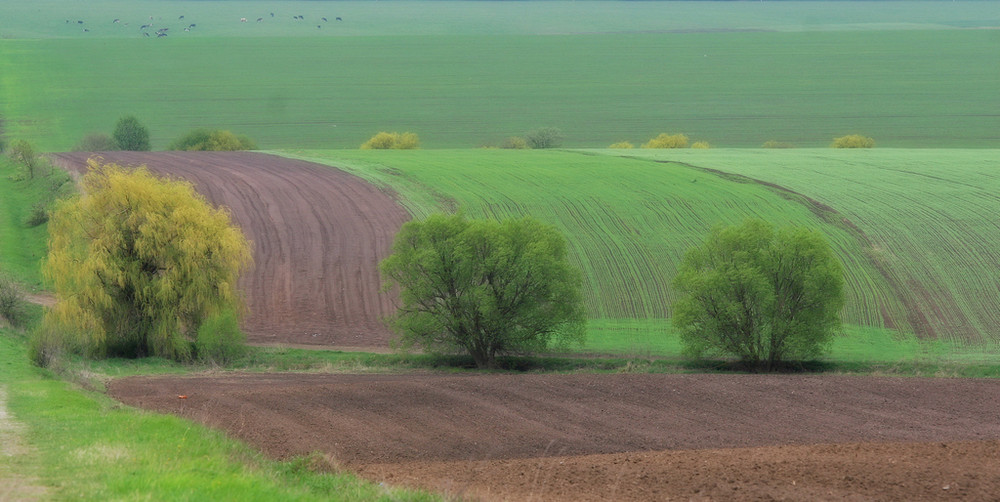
x=616, y=437
x=318, y=235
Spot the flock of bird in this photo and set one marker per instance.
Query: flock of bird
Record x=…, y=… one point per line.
x=162, y=32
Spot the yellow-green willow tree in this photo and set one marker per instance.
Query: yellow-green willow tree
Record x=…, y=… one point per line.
x=138, y=263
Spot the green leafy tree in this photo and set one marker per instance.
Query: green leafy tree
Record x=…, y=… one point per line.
x=22, y=153
x=759, y=294
x=486, y=287
x=546, y=137
x=131, y=135
x=137, y=264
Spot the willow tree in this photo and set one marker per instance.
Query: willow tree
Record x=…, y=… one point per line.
x=486, y=287
x=138, y=263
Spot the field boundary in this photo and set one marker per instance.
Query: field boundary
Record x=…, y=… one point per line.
x=914, y=317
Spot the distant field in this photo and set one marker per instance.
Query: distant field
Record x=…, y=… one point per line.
x=467, y=74
x=47, y=18
x=924, y=264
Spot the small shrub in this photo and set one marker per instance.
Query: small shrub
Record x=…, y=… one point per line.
x=775, y=144
x=195, y=139
x=407, y=141
x=853, y=141
x=220, y=340
x=392, y=141
x=665, y=140
x=205, y=140
x=95, y=142
x=381, y=141
x=546, y=137
x=38, y=215
x=701, y=145
x=46, y=345
x=13, y=305
x=131, y=135
x=515, y=143
x=622, y=145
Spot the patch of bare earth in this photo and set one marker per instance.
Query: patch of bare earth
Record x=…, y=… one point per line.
x=318, y=235
x=14, y=485
x=621, y=437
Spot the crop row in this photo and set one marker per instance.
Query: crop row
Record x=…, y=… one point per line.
x=928, y=218
x=628, y=221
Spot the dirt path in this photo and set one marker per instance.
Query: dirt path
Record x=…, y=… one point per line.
x=318, y=235
x=14, y=485
x=572, y=437
x=43, y=299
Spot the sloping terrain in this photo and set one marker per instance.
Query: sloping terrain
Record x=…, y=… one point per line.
x=318, y=235
x=636, y=437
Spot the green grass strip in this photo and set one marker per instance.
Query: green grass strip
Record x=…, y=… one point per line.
x=85, y=446
x=22, y=248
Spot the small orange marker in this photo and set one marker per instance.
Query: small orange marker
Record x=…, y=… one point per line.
x=182, y=397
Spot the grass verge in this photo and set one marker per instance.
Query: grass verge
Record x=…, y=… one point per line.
x=22, y=246
x=85, y=446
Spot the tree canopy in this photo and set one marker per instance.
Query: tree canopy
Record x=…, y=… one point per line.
x=759, y=294
x=131, y=135
x=138, y=263
x=487, y=287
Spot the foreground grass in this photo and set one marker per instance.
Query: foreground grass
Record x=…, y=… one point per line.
x=84, y=446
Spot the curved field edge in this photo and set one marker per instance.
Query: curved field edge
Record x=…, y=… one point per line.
x=928, y=220
x=628, y=223
x=82, y=445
